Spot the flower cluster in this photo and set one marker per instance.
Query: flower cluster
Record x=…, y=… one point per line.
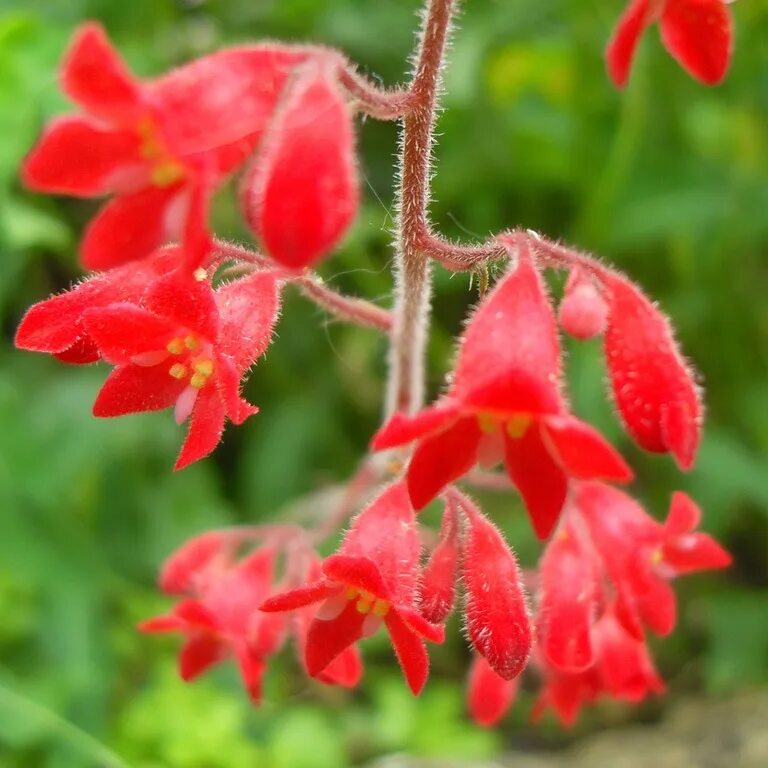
x=181, y=326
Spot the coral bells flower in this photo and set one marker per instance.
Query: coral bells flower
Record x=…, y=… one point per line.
x=372, y=579
x=55, y=326
x=654, y=389
x=697, y=33
x=220, y=618
x=302, y=193
x=185, y=346
x=489, y=696
x=158, y=146
x=504, y=401
x=641, y=555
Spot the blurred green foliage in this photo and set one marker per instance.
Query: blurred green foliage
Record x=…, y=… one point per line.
x=667, y=180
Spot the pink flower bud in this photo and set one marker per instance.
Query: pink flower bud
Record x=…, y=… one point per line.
x=488, y=696
x=438, y=588
x=583, y=312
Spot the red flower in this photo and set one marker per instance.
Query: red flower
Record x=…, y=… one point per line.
x=653, y=387
x=505, y=400
x=302, y=193
x=640, y=555
x=488, y=695
x=158, y=146
x=221, y=619
x=372, y=579
x=187, y=346
x=496, y=613
x=55, y=326
x=698, y=34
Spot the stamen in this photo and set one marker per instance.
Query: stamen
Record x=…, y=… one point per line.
x=350, y=593
x=381, y=608
x=518, y=425
x=363, y=605
x=203, y=366
x=175, y=346
x=198, y=380
x=487, y=423
x=166, y=173
x=178, y=371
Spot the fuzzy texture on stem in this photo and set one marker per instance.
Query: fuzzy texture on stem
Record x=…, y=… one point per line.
x=413, y=270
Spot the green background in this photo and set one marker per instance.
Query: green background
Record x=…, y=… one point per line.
x=667, y=180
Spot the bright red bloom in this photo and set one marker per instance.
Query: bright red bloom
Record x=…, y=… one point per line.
x=185, y=346
x=221, y=619
x=55, y=326
x=158, y=146
x=583, y=312
x=653, y=387
x=496, y=613
x=641, y=555
x=372, y=579
x=488, y=695
x=697, y=33
x=504, y=400
x=568, y=602
x=302, y=194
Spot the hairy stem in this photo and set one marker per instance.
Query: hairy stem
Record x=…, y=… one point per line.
x=413, y=270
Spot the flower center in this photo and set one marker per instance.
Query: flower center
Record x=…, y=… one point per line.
x=166, y=170
x=367, y=603
x=518, y=425
x=198, y=368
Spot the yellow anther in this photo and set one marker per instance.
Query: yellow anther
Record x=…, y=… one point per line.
x=487, y=423
x=200, y=275
x=657, y=556
x=178, y=371
x=350, y=593
x=363, y=605
x=175, y=347
x=166, y=173
x=198, y=380
x=518, y=425
x=203, y=366
x=191, y=342
x=381, y=608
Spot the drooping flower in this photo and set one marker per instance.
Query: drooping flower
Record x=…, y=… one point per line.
x=302, y=193
x=489, y=696
x=185, y=346
x=583, y=312
x=496, y=613
x=697, y=33
x=641, y=555
x=372, y=579
x=159, y=146
x=220, y=618
x=653, y=387
x=55, y=326
x=504, y=401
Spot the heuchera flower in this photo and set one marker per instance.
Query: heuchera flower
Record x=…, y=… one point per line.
x=653, y=387
x=219, y=614
x=372, y=579
x=302, y=193
x=186, y=346
x=159, y=146
x=697, y=33
x=489, y=696
x=504, y=400
x=641, y=555
x=438, y=581
x=55, y=326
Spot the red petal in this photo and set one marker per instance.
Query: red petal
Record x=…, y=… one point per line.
x=695, y=552
x=248, y=310
x=441, y=459
x=122, y=331
x=568, y=602
x=621, y=49
x=251, y=670
x=222, y=98
x=384, y=534
x=496, y=612
x=82, y=352
x=435, y=633
x=489, y=696
x=438, y=580
x=205, y=429
x=402, y=429
x=299, y=597
x=189, y=303
x=653, y=387
x=133, y=389
x=684, y=515
x=181, y=569
x=94, y=75
x=129, y=228
x=699, y=35
x=75, y=157
x=327, y=639
x=199, y=653
x=345, y=670
x=582, y=451
x=410, y=651
x=161, y=624
x=228, y=384
x=359, y=572
x=540, y=481
x=512, y=336
x=302, y=195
